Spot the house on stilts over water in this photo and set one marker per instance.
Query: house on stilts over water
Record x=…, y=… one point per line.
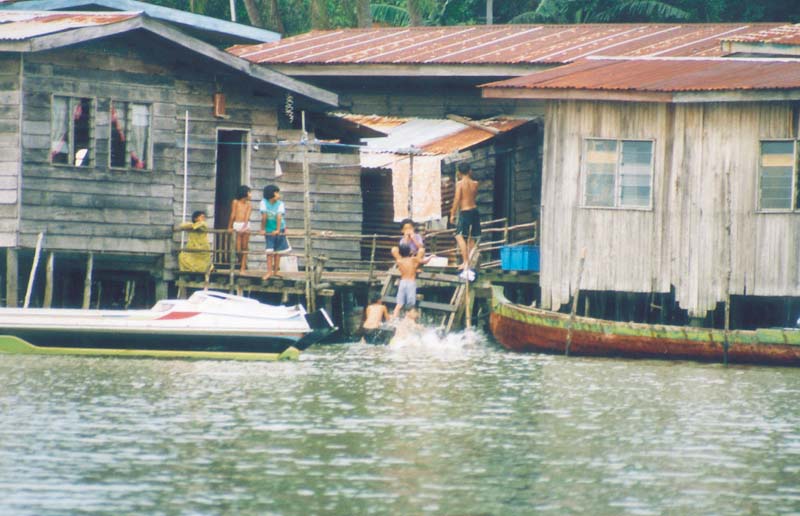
x=92, y=131
x=677, y=178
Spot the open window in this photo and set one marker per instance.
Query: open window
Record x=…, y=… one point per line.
x=71, y=131
x=619, y=173
x=130, y=135
x=777, y=176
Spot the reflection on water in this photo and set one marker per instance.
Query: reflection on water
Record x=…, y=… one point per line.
x=452, y=426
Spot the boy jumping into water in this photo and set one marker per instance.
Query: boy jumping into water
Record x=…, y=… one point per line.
x=239, y=222
x=407, y=289
x=469, y=220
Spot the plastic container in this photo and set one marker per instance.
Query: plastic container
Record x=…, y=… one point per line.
x=520, y=258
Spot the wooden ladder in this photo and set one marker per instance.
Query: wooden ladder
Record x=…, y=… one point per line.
x=452, y=312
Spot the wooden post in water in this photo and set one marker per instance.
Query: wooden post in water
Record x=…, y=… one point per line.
x=371, y=262
x=34, y=266
x=48, y=281
x=87, y=282
x=12, y=277
x=574, y=307
x=310, y=302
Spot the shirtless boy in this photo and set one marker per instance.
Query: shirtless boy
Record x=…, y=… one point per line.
x=240, y=223
x=407, y=289
x=469, y=220
x=374, y=316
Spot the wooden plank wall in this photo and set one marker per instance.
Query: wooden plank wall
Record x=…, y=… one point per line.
x=682, y=241
x=131, y=211
x=336, y=203
x=9, y=148
x=431, y=102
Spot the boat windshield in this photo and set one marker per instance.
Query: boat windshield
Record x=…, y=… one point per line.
x=163, y=306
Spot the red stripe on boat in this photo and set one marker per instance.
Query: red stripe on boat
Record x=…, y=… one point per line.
x=177, y=315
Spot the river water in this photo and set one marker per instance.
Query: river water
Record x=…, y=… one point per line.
x=455, y=426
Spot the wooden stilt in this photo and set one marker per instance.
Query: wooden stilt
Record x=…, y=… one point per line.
x=48, y=281
x=87, y=282
x=34, y=266
x=12, y=278
x=574, y=308
x=310, y=293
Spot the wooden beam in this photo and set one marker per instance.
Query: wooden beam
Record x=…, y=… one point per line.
x=472, y=123
x=34, y=266
x=48, y=281
x=87, y=282
x=12, y=277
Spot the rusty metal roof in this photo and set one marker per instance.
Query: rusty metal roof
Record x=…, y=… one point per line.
x=431, y=136
x=495, y=44
x=663, y=75
x=783, y=35
x=20, y=25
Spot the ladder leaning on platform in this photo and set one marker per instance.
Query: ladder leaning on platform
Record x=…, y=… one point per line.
x=451, y=313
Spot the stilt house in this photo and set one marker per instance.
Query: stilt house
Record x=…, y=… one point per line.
x=678, y=179
x=92, y=131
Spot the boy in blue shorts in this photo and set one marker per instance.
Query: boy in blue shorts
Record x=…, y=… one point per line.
x=273, y=226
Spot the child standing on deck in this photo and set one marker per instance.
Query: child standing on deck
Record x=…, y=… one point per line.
x=407, y=289
x=239, y=222
x=273, y=226
x=469, y=220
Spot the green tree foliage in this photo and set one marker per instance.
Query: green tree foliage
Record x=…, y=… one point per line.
x=295, y=16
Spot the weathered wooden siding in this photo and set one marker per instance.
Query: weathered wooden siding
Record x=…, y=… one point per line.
x=336, y=202
x=10, y=88
x=701, y=152
x=132, y=211
x=428, y=102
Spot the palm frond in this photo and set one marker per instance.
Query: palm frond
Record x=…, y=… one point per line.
x=390, y=15
x=643, y=10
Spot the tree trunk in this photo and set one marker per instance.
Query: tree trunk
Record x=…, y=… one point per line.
x=275, y=21
x=414, y=12
x=253, y=13
x=319, y=14
x=489, y=12
x=363, y=14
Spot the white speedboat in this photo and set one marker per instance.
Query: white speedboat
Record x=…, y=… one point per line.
x=205, y=325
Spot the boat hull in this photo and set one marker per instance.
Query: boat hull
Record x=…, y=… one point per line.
x=16, y=346
x=525, y=329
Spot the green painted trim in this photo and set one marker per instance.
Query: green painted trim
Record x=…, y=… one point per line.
x=16, y=346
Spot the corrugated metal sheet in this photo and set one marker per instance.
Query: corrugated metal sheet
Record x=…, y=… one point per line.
x=664, y=75
x=495, y=44
x=19, y=25
x=431, y=136
x=783, y=35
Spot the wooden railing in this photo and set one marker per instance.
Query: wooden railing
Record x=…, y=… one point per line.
x=495, y=235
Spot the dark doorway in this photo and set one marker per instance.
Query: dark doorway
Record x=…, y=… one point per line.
x=503, y=187
x=231, y=172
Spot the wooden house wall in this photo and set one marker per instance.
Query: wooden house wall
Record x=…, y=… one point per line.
x=336, y=200
x=701, y=152
x=132, y=211
x=9, y=148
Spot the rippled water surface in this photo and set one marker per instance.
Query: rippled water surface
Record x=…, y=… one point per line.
x=440, y=427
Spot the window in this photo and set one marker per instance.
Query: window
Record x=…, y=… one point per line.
x=71, y=131
x=776, y=177
x=130, y=135
x=618, y=173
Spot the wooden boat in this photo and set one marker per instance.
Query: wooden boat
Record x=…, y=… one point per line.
x=207, y=325
x=525, y=329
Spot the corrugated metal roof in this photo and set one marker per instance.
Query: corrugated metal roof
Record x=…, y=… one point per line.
x=19, y=25
x=430, y=136
x=783, y=35
x=664, y=75
x=495, y=44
